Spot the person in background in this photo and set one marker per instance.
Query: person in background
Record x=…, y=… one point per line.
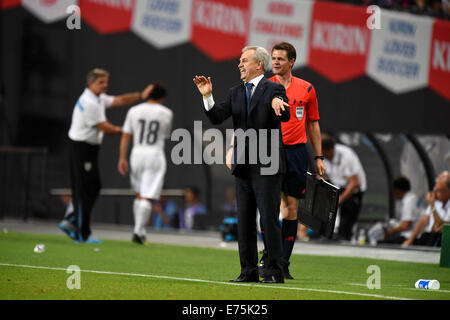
x=149, y=124
x=344, y=169
x=88, y=126
x=229, y=208
x=163, y=214
x=189, y=216
x=409, y=212
x=428, y=231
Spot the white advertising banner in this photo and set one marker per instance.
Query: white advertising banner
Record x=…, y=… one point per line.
x=275, y=21
x=163, y=23
x=49, y=10
x=400, y=51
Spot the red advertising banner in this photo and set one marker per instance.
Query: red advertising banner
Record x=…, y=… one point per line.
x=7, y=4
x=339, y=41
x=439, y=74
x=220, y=27
x=108, y=16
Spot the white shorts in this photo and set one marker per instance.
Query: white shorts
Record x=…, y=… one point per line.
x=147, y=173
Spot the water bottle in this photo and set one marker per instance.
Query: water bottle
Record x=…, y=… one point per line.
x=427, y=284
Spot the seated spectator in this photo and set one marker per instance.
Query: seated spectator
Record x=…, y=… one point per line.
x=421, y=7
x=163, y=214
x=436, y=8
x=229, y=208
x=446, y=9
x=192, y=215
x=409, y=213
x=428, y=230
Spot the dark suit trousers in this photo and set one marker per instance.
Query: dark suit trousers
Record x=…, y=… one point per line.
x=263, y=192
x=85, y=181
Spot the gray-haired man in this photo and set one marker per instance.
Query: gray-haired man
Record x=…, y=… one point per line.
x=89, y=123
x=253, y=107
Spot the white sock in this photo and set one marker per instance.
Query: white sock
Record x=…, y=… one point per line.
x=142, y=215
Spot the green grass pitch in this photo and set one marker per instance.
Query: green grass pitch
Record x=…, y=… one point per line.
x=123, y=270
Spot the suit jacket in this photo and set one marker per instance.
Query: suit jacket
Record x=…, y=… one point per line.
x=261, y=116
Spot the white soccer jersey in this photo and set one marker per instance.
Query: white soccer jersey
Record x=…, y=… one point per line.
x=150, y=125
x=87, y=113
x=345, y=163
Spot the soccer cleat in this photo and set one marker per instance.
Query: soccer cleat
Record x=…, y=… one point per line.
x=69, y=229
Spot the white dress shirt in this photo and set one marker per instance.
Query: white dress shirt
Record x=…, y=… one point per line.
x=442, y=210
x=345, y=163
x=209, y=102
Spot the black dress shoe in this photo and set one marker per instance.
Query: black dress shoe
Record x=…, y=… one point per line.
x=253, y=277
x=285, y=270
x=273, y=279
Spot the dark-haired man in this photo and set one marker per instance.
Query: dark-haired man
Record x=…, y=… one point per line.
x=149, y=124
x=409, y=212
x=304, y=116
x=88, y=126
x=344, y=169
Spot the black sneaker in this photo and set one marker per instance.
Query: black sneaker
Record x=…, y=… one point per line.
x=138, y=239
x=262, y=266
x=285, y=269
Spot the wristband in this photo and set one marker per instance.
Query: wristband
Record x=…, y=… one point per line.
x=319, y=157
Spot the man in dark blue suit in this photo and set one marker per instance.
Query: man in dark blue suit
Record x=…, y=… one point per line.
x=257, y=117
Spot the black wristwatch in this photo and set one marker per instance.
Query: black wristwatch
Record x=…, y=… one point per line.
x=319, y=157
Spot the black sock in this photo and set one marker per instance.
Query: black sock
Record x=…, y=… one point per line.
x=288, y=233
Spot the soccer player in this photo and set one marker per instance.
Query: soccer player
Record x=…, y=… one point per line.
x=304, y=115
x=149, y=124
x=88, y=126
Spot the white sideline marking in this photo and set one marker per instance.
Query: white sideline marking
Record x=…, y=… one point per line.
x=401, y=286
x=208, y=281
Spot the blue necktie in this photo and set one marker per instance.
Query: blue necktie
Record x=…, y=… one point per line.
x=249, y=87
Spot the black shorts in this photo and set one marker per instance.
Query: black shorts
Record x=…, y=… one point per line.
x=294, y=182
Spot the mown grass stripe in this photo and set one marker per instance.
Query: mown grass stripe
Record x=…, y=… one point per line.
x=209, y=281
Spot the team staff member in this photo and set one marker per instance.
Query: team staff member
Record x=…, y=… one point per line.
x=149, y=124
x=250, y=105
x=345, y=170
x=304, y=115
x=89, y=123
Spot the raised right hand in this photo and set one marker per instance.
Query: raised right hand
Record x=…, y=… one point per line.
x=204, y=85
